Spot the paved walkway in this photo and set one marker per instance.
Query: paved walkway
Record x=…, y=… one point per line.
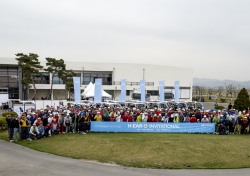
x=21, y=161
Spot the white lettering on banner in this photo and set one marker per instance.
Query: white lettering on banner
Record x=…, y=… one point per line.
x=155, y=126
x=163, y=126
x=134, y=125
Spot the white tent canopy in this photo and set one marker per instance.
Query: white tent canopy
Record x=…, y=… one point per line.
x=87, y=89
x=90, y=92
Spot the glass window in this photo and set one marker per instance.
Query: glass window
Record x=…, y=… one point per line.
x=127, y=92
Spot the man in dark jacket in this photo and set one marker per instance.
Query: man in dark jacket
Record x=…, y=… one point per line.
x=10, y=124
x=16, y=127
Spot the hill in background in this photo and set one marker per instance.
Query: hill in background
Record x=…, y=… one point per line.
x=213, y=83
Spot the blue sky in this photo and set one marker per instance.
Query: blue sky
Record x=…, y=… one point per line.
x=210, y=36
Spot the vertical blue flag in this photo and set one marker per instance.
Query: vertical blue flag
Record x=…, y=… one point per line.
x=98, y=91
x=123, y=91
x=142, y=87
x=176, y=90
x=161, y=91
x=77, y=89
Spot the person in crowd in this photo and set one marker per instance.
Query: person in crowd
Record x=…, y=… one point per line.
x=186, y=118
x=105, y=115
x=204, y=119
x=33, y=133
x=216, y=120
x=118, y=117
x=244, y=126
x=155, y=118
x=32, y=117
x=50, y=118
x=81, y=127
x=41, y=130
x=231, y=124
x=176, y=118
x=54, y=127
x=61, y=123
x=139, y=118
x=98, y=117
x=16, y=127
x=193, y=119
x=230, y=106
x=67, y=123
x=47, y=130
x=112, y=115
x=38, y=121
x=10, y=123
x=24, y=127
x=87, y=120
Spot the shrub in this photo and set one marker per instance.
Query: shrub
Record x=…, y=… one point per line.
x=219, y=107
x=195, y=99
x=3, y=123
x=242, y=101
x=222, y=100
x=11, y=113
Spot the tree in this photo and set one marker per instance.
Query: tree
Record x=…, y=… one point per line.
x=220, y=90
x=56, y=67
x=67, y=77
x=242, y=101
x=230, y=89
x=210, y=92
x=30, y=68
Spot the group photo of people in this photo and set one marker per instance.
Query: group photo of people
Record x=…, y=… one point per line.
x=76, y=118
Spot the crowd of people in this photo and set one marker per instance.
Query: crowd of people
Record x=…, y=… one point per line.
x=41, y=123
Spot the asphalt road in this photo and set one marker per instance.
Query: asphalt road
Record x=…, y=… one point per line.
x=21, y=161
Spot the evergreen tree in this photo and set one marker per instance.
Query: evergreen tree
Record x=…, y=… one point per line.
x=30, y=68
x=67, y=77
x=242, y=102
x=56, y=67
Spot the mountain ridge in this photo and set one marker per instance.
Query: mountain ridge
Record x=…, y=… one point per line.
x=213, y=83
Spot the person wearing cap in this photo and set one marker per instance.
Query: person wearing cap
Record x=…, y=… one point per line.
x=98, y=117
x=145, y=117
x=38, y=121
x=204, y=119
x=176, y=118
x=33, y=133
x=24, y=127
x=67, y=123
x=118, y=117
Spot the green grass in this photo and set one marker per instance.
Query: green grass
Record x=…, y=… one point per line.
x=150, y=150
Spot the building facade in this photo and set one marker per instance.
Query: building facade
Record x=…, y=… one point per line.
x=110, y=73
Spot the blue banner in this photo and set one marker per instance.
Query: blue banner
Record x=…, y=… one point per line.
x=123, y=91
x=176, y=90
x=77, y=89
x=161, y=91
x=153, y=127
x=142, y=88
x=98, y=91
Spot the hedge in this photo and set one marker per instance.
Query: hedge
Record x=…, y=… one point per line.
x=11, y=113
x=3, y=123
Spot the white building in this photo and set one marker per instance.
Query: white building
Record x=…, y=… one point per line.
x=111, y=74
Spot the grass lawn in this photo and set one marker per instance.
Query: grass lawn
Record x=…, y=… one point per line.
x=151, y=150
